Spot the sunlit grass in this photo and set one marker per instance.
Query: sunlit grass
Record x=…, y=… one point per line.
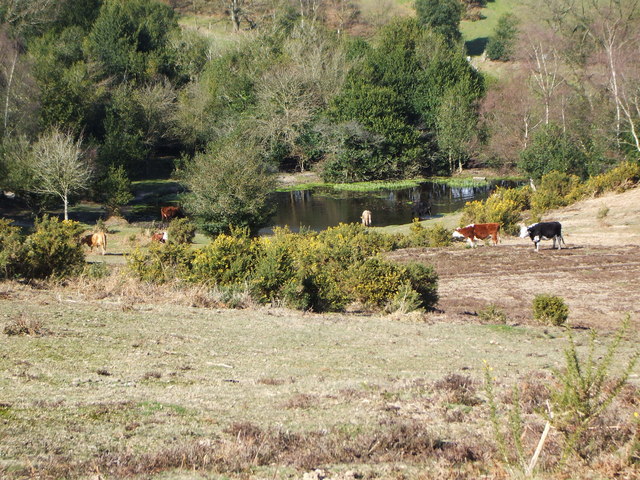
x=377, y=185
x=484, y=28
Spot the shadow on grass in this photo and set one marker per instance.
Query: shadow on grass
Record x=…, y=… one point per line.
x=476, y=46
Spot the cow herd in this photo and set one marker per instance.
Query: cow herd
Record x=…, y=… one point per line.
x=99, y=239
x=472, y=233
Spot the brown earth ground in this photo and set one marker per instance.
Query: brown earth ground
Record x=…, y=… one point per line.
x=597, y=274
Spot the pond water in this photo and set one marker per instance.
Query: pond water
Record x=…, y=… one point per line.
x=325, y=207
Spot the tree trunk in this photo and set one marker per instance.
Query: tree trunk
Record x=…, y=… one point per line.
x=6, y=98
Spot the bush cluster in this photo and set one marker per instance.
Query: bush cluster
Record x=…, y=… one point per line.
x=181, y=230
x=553, y=191
x=556, y=189
x=434, y=236
x=323, y=271
x=52, y=250
x=618, y=179
x=550, y=309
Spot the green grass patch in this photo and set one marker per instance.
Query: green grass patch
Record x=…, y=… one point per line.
x=491, y=13
x=300, y=186
x=149, y=408
x=508, y=329
x=377, y=185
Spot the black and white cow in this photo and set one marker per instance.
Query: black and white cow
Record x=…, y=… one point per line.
x=543, y=231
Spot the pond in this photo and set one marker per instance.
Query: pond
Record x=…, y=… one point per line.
x=320, y=208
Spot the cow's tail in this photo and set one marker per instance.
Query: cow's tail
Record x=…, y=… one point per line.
x=104, y=243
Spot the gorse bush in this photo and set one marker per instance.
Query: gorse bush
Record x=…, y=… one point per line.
x=374, y=282
x=11, y=249
x=553, y=191
x=161, y=263
x=550, y=309
x=492, y=314
x=323, y=271
x=181, y=230
x=587, y=389
x=620, y=178
x=53, y=250
x=423, y=279
x=434, y=236
x=274, y=272
x=227, y=260
x=504, y=206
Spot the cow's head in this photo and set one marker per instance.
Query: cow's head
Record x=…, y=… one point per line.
x=524, y=231
x=456, y=234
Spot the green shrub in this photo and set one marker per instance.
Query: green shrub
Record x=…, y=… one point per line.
x=504, y=206
x=181, y=230
x=550, y=309
x=374, y=282
x=53, y=250
x=11, y=249
x=620, y=178
x=434, y=236
x=229, y=259
x=405, y=300
x=492, y=314
x=438, y=235
x=352, y=242
x=274, y=271
x=95, y=270
x=424, y=280
x=161, y=263
x=586, y=388
x=603, y=212
x=553, y=191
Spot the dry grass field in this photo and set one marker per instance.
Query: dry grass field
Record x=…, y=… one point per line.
x=115, y=379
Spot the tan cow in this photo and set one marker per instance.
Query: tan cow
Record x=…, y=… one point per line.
x=366, y=218
x=95, y=240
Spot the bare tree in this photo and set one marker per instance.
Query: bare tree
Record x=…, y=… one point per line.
x=59, y=167
x=607, y=34
x=544, y=66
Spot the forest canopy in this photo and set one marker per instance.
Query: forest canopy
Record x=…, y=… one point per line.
x=295, y=86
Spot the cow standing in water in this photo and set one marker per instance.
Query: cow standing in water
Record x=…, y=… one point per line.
x=478, y=231
x=366, y=218
x=95, y=240
x=543, y=231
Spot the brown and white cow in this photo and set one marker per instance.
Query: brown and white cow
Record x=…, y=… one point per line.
x=98, y=240
x=167, y=213
x=366, y=218
x=160, y=237
x=478, y=231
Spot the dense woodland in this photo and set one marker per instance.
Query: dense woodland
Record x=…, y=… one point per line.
x=96, y=93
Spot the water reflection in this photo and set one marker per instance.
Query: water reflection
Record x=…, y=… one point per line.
x=322, y=208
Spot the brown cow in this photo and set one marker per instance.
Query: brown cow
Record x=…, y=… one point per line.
x=95, y=240
x=160, y=237
x=366, y=218
x=167, y=213
x=478, y=231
